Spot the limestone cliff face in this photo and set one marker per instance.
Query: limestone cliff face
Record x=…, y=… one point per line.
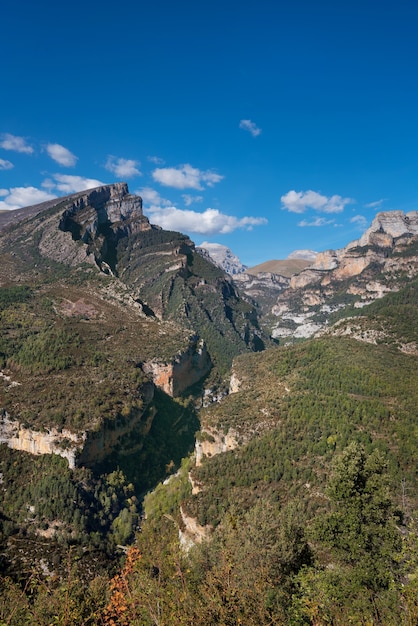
x=91, y=224
x=192, y=532
x=390, y=224
x=212, y=442
x=79, y=448
x=186, y=369
x=369, y=266
x=64, y=443
x=387, y=230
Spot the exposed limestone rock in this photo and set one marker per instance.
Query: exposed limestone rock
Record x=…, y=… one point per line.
x=212, y=443
x=91, y=219
x=306, y=277
x=81, y=448
x=222, y=256
x=64, y=443
x=381, y=251
x=184, y=371
x=254, y=285
x=234, y=383
x=390, y=223
x=192, y=531
x=327, y=260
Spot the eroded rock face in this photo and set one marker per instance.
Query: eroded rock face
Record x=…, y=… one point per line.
x=79, y=448
x=95, y=220
x=192, y=532
x=184, y=371
x=376, y=253
x=390, y=224
x=213, y=442
x=64, y=443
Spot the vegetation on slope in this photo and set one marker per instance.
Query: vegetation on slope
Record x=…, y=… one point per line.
x=179, y=284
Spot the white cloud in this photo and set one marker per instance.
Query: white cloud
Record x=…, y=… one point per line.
x=360, y=220
x=152, y=198
x=185, y=177
x=18, y=144
x=301, y=201
x=5, y=165
x=375, y=205
x=71, y=184
x=249, y=126
x=209, y=222
x=61, y=155
x=18, y=197
x=123, y=168
x=318, y=221
x=156, y=160
x=188, y=199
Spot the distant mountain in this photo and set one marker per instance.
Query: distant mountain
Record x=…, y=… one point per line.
x=223, y=257
x=287, y=267
x=350, y=278
x=308, y=255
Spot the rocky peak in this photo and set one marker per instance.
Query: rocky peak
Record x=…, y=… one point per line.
x=223, y=257
x=389, y=224
x=366, y=269
x=97, y=218
x=110, y=205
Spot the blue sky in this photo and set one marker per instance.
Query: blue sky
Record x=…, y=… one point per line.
x=266, y=126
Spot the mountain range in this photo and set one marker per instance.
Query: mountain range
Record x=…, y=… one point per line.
x=147, y=383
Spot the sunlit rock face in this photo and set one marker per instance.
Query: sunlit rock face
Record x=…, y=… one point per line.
x=222, y=256
x=366, y=269
x=186, y=369
x=390, y=224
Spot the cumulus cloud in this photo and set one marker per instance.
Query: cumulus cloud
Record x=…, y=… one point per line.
x=61, y=155
x=360, y=221
x=318, y=221
x=18, y=144
x=70, y=184
x=185, y=177
x=188, y=199
x=5, y=165
x=249, y=126
x=301, y=201
x=210, y=222
x=152, y=198
x=123, y=168
x=18, y=197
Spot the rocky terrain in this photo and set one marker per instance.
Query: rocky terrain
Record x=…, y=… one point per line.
x=136, y=392
x=354, y=276
x=223, y=257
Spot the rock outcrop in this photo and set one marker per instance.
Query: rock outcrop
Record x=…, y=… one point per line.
x=51, y=441
x=364, y=270
x=186, y=369
x=223, y=257
x=212, y=442
x=87, y=447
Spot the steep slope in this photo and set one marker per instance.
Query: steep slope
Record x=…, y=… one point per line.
x=97, y=309
x=301, y=505
x=104, y=232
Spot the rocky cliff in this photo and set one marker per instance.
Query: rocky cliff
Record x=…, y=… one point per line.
x=356, y=275
x=185, y=370
x=222, y=256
